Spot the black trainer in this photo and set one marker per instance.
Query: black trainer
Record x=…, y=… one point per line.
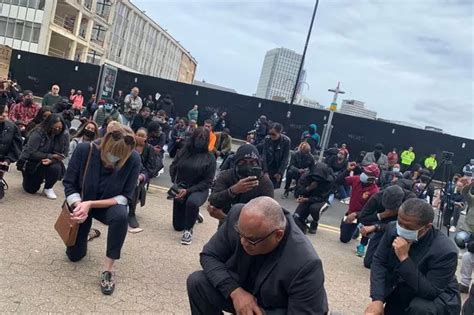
x=3, y=187
x=107, y=283
x=313, y=227
x=132, y=221
x=200, y=218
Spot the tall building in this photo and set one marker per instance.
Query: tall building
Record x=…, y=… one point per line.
x=357, y=108
x=308, y=102
x=95, y=31
x=279, y=74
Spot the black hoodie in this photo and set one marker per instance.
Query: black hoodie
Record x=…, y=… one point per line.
x=221, y=198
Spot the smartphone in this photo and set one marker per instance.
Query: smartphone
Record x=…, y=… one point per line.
x=4, y=167
x=255, y=171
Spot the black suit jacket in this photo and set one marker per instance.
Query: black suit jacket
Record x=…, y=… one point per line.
x=428, y=273
x=291, y=277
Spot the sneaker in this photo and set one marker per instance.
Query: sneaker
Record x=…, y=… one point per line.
x=200, y=218
x=187, y=238
x=49, y=193
x=360, y=250
x=464, y=212
x=323, y=209
x=313, y=227
x=452, y=229
x=3, y=187
x=346, y=201
x=463, y=288
x=132, y=221
x=107, y=283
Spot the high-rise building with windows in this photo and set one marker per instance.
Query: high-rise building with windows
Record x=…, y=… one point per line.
x=95, y=31
x=357, y=108
x=279, y=74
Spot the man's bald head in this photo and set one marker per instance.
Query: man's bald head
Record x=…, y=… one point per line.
x=267, y=211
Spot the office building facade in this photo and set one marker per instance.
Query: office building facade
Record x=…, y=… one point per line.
x=279, y=74
x=97, y=32
x=357, y=108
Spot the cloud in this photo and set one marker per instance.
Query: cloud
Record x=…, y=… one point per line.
x=396, y=56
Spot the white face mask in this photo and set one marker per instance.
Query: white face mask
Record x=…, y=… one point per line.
x=112, y=158
x=396, y=170
x=409, y=235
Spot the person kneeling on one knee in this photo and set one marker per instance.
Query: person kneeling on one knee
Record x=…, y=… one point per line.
x=258, y=262
x=413, y=269
x=100, y=182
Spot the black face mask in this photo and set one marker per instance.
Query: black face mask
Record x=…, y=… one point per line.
x=246, y=170
x=89, y=134
x=200, y=145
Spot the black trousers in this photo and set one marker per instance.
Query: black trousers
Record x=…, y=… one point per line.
x=116, y=218
x=204, y=298
x=373, y=244
x=305, y=209
x=451, y=212
x=271, y=174
x=291, y=173
x=416, y=306
x=185, y=212
x=50, y=174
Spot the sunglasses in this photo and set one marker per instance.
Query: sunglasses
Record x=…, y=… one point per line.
x=253, y=242
x=117, y=135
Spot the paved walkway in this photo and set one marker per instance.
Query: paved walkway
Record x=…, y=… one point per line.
x=36, y=277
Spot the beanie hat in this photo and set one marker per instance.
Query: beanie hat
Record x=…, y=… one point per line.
x=372, y=170
x=392, y=197
x=246, y=151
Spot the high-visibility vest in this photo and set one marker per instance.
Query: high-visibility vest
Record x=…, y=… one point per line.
x=408, y=157
x=431, y=163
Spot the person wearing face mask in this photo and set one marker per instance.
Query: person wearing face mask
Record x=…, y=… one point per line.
x=43, y=155
x=300, y=162
x=193, y=171
x=142, y=120
x=311, y=137
x=106, y=111
x=100, y=183
x=87, y=133
x=379, y=210
x=240, y=184
x=77, y=100
x=312, y=191
x=150, y=166
x=389, y=177
x=414, y=267
x=10, y=146
x=376, y=157
x=276, y=154
x=24, y=112
x=363, y=187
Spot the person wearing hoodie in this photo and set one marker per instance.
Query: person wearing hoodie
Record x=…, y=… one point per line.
x=312, y=137
x=262, y=127
x=376, y=157
x=240, y=184
x=276, y=154
x=167, y=104
x=313, y=190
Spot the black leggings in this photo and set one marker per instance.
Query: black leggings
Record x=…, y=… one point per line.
x=305, y=209
x=185, y=212
x=50, y=174
x=292, y=173
x=116, y=217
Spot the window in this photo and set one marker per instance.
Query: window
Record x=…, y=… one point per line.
x=3, y=25
x=19, y=25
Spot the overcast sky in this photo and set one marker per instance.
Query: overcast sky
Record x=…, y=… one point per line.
x=408, y=60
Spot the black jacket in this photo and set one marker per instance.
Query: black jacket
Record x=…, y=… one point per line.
x=140, y=122
x=368, y=214
x=324, y=177
x=301, y=161
x=291, y=276
x=41, y=146
x=10, y=142
x=334, y=164
x=196, y=171
x=151, y=162
x=428, y=273
x=167, y=105
x=121, y=182
x=275, y=159
x=221, y=197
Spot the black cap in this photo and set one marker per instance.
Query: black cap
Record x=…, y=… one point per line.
x=392, y=197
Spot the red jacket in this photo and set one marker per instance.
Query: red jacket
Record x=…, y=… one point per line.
x=392, y=158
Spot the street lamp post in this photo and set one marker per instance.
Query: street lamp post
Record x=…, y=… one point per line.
x=302, y=59
x=327, y=131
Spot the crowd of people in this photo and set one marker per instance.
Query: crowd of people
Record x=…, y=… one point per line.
x=259, y=261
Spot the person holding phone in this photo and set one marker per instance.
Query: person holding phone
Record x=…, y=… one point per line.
x=10, y=146
x=43, y=155
x=240, y=184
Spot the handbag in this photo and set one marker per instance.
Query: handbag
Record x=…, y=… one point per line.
x=65, y=226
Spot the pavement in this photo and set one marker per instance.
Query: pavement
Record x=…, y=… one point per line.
x=36, y=276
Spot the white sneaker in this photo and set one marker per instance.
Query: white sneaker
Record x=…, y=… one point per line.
x=452, y=229
x=49, y=193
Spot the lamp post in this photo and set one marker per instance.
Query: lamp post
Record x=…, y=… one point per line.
x=327, y=130
x=288, y=115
